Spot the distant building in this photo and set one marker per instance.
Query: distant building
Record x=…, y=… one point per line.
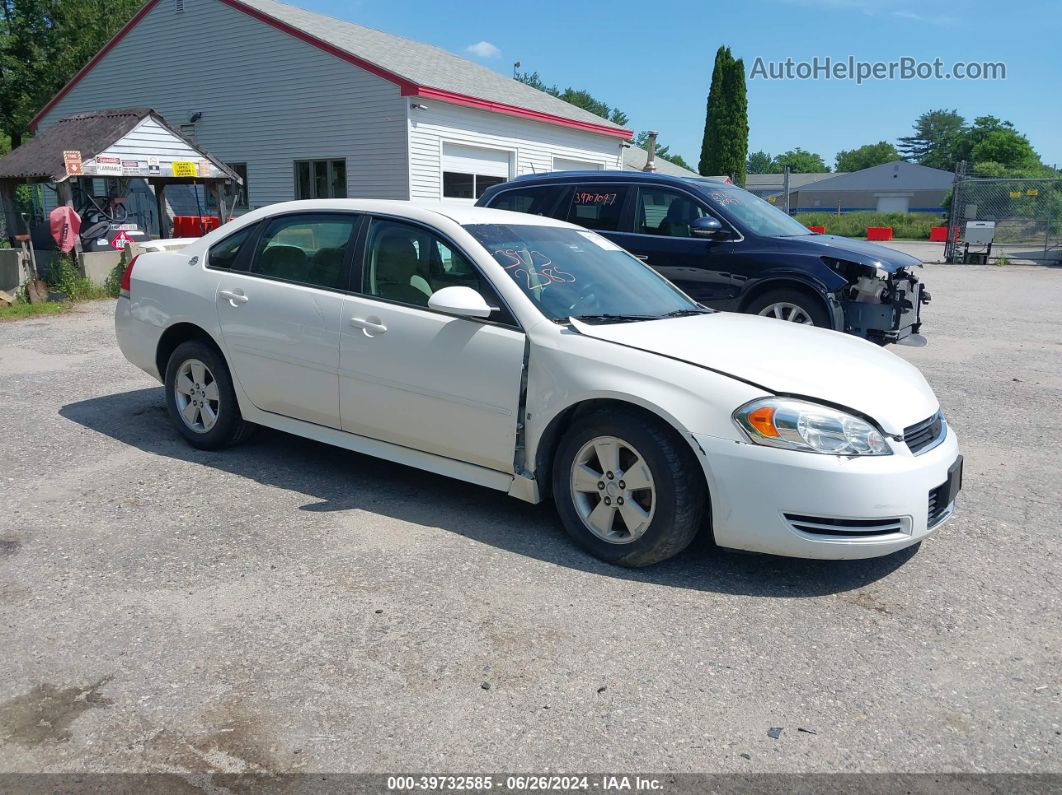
x=768, y=186
x=898, y=187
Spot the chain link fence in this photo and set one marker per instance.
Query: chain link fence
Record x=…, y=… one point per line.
x=1027, y=214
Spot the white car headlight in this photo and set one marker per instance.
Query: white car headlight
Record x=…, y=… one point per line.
x=799, y=425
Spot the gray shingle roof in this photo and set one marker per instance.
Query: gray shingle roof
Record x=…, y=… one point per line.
x=423, y=64
x=898, y=175
x=634, y=160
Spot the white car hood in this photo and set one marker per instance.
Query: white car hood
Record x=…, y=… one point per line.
x=789, y=359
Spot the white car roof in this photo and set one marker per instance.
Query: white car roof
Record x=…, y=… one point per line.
x=426, y=211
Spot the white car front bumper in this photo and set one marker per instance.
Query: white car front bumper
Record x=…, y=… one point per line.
x=806, y=505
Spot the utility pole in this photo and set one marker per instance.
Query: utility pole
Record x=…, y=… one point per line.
x=785, y=187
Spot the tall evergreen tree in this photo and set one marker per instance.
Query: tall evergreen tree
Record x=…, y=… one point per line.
x=707, y=165
x=724, y=149
x=736, y=134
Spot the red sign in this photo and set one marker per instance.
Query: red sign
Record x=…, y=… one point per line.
x=72, y=161
x=121, y=240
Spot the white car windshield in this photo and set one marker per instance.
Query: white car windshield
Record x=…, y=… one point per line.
x=577, y=273
x=750, y=211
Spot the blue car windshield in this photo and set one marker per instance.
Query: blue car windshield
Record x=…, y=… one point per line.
x=577, y=273
x=751, y=212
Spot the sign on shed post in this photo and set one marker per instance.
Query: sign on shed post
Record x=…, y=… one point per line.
x=72, y=162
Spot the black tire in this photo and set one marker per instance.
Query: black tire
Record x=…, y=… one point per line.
x=681, y=496
x=812, y=305
x=229, y=428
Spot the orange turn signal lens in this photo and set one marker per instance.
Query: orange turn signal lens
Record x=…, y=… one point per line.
x=762, y=419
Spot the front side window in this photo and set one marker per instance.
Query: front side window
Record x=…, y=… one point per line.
x=306, y=249
x=598, y=206
x=460, y=185
x=662, y=211
x=320, y=179
x=750, y=211
x=575, y=273
x=406, y=263
x=223, y=254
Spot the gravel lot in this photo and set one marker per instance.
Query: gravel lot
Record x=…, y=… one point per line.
x=286, y=606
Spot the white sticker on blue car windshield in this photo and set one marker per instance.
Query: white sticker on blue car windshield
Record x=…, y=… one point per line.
x=600, y=242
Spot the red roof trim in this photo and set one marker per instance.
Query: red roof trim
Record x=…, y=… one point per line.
x=511, y=110
x=407, y=88
x=84, y=70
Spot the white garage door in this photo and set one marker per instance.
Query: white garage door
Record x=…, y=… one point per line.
x=893, y=204
x=470, y=170
x=566, y=164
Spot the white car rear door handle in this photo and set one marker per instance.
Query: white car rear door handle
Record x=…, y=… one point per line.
x=233, y=297
x=368, y=325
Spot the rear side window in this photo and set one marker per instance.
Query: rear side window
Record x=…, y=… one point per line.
x=538, y=200
x=598, y=206
x=307, y=249
x=223, y=255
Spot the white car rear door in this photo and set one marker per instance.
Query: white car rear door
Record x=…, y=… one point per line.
x=280, y=318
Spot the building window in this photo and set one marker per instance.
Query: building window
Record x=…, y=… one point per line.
x=231, y=191
x=458, y=185
x=320, y=179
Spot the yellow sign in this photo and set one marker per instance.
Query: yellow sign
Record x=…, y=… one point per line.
x=1015, y=194
x=1032, y=192
x=184, y=168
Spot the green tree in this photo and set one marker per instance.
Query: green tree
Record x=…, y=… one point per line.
x=663, y=152
x=801, y=162
x=724, y=148
x=578, y=97
x=43, y=43
x=992, y=140
x=866, y=156
x=937, y=139
x=759, y=163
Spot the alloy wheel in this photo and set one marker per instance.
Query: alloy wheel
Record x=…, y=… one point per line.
x=196, y=393
x=783, y=310
x=613, y=490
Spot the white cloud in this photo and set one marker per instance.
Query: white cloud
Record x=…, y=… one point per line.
x=483, y=49
x=901, y=9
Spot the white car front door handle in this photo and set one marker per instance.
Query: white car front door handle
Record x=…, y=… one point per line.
x=368, y=325
x=233, y=297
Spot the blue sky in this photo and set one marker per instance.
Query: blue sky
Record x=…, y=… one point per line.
x=654, y=60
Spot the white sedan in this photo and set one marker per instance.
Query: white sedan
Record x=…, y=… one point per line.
x=531, y=356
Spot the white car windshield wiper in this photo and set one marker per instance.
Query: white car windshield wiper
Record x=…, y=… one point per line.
x=612, y=318
x=701, y=310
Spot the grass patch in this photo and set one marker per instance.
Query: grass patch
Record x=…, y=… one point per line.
x=21, y=310
x=67, y=281
x=905, y=226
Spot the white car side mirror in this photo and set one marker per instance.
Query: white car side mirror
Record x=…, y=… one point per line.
x=459, y=301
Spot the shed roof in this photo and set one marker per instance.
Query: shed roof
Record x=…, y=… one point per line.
x=41, y=157
x=419, y=69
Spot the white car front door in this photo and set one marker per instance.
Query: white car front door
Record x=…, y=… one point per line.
x=421, y=379
x=281, y=317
